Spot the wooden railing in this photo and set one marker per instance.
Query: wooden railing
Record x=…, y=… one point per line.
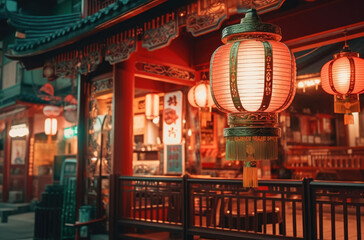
x=223, y=209
x=152, y=202
x=326, y=158
x=274, y=209
x=337, y=210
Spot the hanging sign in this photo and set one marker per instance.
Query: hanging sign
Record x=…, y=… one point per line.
x=70, y=132
x=172, y=118
x=174, y=159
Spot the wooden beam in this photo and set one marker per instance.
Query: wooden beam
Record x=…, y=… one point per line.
x=326, y=37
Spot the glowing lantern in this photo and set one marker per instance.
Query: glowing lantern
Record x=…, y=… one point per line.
x=19, y=130
x=48, y=71
x=151, y=105
x=50, y=126
x=51, y=111
x=252, y=78
x=200, y=96
x=344, y=77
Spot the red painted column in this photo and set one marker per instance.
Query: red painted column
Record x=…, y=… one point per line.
x=123, y=117
x=122, y=148
x=6, y=167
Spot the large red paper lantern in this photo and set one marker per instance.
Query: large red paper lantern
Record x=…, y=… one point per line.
x=199, y=96
x=343, y=77
x=252, y=78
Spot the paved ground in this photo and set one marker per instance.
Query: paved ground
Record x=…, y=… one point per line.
x=21, y=227
x=18, y=227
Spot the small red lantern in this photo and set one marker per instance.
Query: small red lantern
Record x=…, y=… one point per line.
x=252, y=78
x=48, y=71
x=50, y=123
x=199, y=96
x=343, y=77
x=50, y=126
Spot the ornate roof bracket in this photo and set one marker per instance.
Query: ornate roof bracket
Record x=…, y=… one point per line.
x=203, y=18
x=163, y=31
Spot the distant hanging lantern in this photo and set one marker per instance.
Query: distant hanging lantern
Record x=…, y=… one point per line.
x=151, y=105
x=50, y=126
x=200, y=96
x=252, y=78
x=50, y=123
x=343, y=77
x=70, y=108
x=48, y=71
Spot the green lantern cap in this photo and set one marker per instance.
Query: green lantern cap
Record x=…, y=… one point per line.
x=251, y=27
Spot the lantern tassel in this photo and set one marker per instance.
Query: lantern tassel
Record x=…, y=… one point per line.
x=346, y=103
x=348, y=118
x=265, y=148
x=250, y=174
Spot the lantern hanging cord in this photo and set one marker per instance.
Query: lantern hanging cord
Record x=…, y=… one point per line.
x=345, y=39
x=308, y=53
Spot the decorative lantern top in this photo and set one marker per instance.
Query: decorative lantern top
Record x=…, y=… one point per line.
x=251, y=27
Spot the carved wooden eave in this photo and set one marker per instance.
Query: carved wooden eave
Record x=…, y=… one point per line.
x=199, y=17
x=154, y=70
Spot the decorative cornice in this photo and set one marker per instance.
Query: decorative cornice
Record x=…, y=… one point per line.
x=167, y=71
x=118, y=52
x=262, y=6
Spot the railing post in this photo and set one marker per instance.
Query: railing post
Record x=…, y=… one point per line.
x=309, y=211
x=186, y=208
x=114, y=212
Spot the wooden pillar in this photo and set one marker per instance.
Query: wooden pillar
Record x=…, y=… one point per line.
x=122, y=147
x=82, y=110
x=123, y=77
x=29, y=164
x=6, y=170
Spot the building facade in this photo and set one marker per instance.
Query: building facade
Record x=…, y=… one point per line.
x=116, y=52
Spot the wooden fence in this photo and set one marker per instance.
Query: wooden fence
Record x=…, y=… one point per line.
x=221, y=208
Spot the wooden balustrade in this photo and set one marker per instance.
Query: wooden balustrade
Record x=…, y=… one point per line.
x=222, y=208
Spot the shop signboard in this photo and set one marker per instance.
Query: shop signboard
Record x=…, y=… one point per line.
x=70, y=132
x=174, y=159
x=172, y=118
